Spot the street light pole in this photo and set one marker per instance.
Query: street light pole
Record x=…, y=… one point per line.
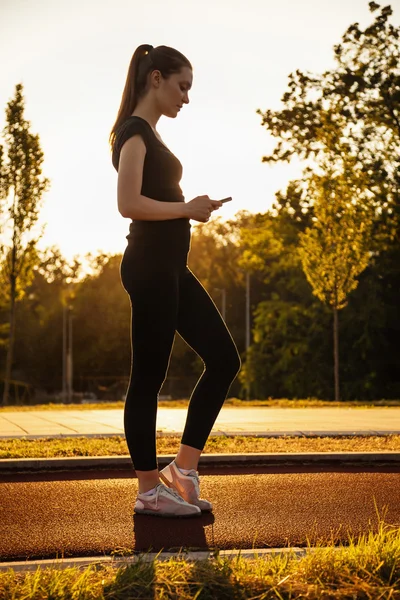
x=64, y=354
x=223, y=307
x=69, y=357
x=247, y=310
x=224, y=304
x=247, y=329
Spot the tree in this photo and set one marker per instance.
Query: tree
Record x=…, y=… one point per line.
x=355, y=107
x=21, y=179
x=336, y=249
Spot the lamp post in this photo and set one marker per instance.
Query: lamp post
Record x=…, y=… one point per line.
x=223, y=309
x=69, y=363
x=247, y=330
x=64, y=355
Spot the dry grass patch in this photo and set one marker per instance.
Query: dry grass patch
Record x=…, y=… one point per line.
x=183, y=403
x=116, y=445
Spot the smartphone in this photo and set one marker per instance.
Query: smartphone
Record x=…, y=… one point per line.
x=226, y=199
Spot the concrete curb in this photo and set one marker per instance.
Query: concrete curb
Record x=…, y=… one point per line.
x=119, y=561
x=265, y=434
x=9, y=465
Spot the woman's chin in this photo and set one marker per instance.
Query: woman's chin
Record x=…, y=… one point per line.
x=173, y=112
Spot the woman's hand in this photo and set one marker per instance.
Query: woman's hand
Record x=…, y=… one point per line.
x=201, y=207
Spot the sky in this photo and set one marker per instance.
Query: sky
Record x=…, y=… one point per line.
x=72, y=58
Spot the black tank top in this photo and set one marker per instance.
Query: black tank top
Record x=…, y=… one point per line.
x=162, y=172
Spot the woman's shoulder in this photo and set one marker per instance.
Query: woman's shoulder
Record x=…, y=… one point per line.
x=131, y=126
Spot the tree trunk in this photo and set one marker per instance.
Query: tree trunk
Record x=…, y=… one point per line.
x=336, y=351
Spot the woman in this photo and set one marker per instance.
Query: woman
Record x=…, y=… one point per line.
x=165, y=295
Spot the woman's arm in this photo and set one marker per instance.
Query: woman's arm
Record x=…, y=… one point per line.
x=131, y=203
x=148, y=209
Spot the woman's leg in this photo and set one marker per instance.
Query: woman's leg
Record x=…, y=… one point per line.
x=202, y=327
x=153, y=292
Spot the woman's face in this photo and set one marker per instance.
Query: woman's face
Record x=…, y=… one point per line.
x=173, y=92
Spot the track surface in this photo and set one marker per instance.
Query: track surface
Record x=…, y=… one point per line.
x=69, y=514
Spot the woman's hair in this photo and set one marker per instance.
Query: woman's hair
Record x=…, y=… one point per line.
x=145, y=59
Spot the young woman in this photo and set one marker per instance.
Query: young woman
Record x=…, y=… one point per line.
x=165, y=295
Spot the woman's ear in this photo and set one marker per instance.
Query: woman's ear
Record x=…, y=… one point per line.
x=156, y=75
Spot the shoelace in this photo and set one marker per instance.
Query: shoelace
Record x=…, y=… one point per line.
x=196, y=482
x=169, y=491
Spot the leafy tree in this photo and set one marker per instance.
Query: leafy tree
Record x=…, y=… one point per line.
x=22, y=176
x=354, y=108
x=337, y=248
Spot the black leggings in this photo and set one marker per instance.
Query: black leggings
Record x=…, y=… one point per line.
x=166, y=297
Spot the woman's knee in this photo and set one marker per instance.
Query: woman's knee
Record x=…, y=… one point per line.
x=226, y=363
x=147, y=382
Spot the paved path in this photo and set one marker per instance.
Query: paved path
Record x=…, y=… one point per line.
x=289, y=421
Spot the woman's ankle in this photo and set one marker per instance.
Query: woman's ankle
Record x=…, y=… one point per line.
x=147, y=480
x=146, y=488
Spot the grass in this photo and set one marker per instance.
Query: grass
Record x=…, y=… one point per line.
x=183, y=403
x=364, y=568
x=116, y=445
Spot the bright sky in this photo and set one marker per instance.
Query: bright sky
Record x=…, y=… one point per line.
x=72, y=58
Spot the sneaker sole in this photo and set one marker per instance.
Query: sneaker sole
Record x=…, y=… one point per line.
x=166, y=515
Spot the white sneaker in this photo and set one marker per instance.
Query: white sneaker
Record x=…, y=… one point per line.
x=165, y=503
x=188, y=486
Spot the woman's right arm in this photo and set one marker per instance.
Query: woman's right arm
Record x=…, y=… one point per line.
x=131, y=203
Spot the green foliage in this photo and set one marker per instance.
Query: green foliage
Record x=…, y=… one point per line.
x=353, y=111
x=291, y=351
x=337, y=248
x=101, y=321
